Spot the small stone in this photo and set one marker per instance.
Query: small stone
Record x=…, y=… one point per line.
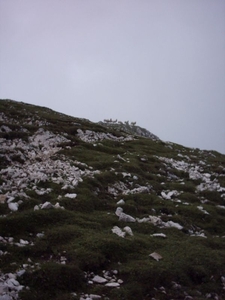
x=128, y=230
x=10, y=239
x=156, y=256
x=112, y=284
x=72, y=196
x=93, y=296
x=99, y=279
x=120, y=202
x=47, y=205
x=40, y=235
x=36, y=207
x=118, y=231
x=20, y=272
x=12, y=283
x=13, y=206
x=23, y=242
x=159, y=235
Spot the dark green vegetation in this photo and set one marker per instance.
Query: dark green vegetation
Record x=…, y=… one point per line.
x=82, y=232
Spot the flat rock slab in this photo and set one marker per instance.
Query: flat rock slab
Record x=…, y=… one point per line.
x=99, y=279
x=156, y=256
x=112, y=284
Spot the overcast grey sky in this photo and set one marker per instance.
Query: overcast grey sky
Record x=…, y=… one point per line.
x=160, y=63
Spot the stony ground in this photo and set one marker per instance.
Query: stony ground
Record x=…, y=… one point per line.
x=89, y=211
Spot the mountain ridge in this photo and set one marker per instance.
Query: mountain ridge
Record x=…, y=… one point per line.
x=98, y=211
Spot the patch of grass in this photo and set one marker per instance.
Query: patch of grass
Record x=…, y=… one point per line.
x=53, y=279
x=212, y=196
x=33, y=221
x=189, y=197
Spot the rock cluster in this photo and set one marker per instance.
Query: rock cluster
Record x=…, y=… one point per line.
x=37, y=165
x=196, y=172
x=10, y=286
x=92, y=136
x=122, y=233
x=157, y=221
x=108, y=278
x=130, y=128
x=48, y=205
x=120, y=187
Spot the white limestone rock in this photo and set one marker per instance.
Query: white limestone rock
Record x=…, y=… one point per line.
x=118, y=231
x=119, y=210
x=36, y=207
x=40, y=235
x=13, y=206
x=23, y=242
x=99, y=279
x=155, y=256
x=112, y=284
x=172, y=224
x=94, y=296
x=169, y=194
x=124, y=217
x=71, y=196
x=126, y=174
x=57, y=206
x=158, y=222
x=47, y=205
x=159, y=235
x=128, y=230
x=12, y=283
x=139, y=190
x=203, y=210
x=120, y=202
x=20, y=272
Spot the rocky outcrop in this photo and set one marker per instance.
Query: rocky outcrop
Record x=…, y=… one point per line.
x=130, y=128
x=92, y=136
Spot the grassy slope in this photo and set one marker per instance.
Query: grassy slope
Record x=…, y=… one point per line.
x=82, y=232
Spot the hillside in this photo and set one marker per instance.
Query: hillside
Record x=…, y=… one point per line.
x=92, y=211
